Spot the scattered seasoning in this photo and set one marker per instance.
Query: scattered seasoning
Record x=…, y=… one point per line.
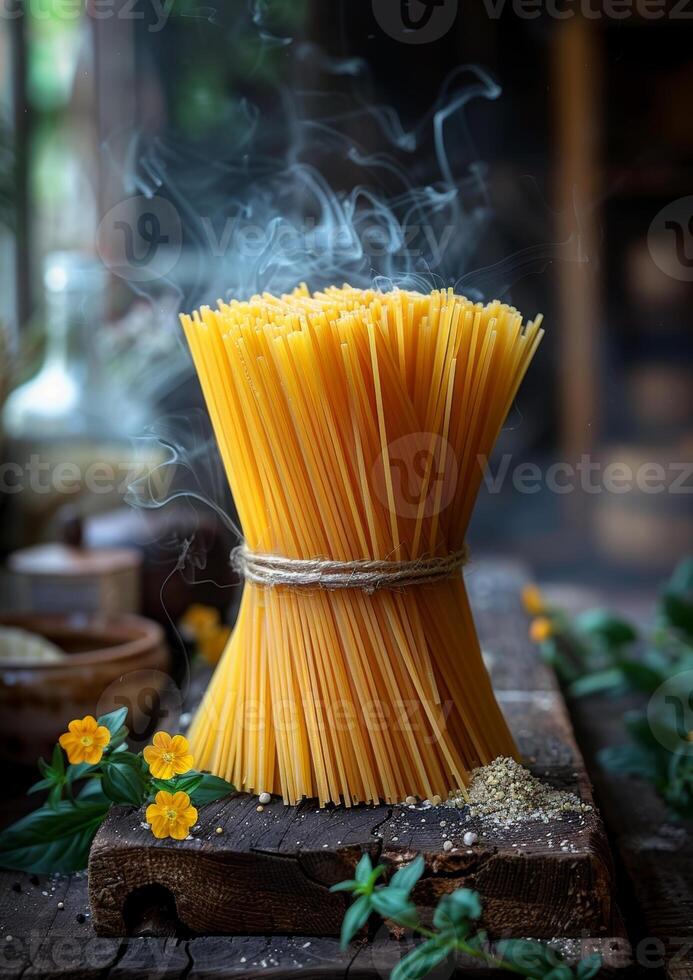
x=506, y=793
x=61, y=905
x=264, y=798
x=411, y=800
x=447, y=846
x=259, y=809
x=470, y=838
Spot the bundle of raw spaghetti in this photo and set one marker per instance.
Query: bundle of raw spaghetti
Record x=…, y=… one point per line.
x=350, y=424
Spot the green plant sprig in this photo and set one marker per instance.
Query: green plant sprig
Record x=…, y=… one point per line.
x=598, y=652
x=56, y=837
x=454, y=928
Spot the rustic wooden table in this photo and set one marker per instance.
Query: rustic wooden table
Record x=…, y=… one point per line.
x=267, y=873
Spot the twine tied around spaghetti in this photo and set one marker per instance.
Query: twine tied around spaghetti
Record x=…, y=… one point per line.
x=368, y=574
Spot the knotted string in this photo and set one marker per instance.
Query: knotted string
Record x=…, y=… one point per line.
x=368, y=574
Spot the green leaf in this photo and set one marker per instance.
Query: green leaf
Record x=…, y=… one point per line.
x=80, y=771
x=58, y=761
x=124, y=758
x=629, y=759
x=420, y=961
x=162, y=785
x=596, y=683
x=91, y=792
x=344, y=886
x=118, y=739
x=211, y=788
x=678, y=612
x=41, y=785
x=122, y=783
x=640, y=676
x=364, y=869
x=405, y=878
x=681, y=581
x=187, y=783
x=588, y=967
x=55, y=796
x=356, y=916
x=459, y=906
x=52, y=840
x=114, y=721
x=560, y=972
x=610, y=629
x=393, y=903
x=532, y=957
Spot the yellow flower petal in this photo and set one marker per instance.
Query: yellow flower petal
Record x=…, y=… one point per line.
x=102, y=736
x=179, y=743
x=532, y=600
x=160, y=827
x=162, y=740
x=183, y=764
x=540, y=629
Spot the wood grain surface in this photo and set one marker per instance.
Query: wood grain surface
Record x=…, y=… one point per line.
x=269, y=873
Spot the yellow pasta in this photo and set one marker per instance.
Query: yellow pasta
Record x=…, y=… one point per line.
x=350, y=424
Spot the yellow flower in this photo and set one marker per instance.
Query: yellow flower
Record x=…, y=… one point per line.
x=199, y=619
x=168, y=757
x=85, y=740
x=533, y=600
x=171, y=815
x=540, y=629
x=213, y=643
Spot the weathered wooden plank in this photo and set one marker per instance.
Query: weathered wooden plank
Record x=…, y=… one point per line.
x=270, y=872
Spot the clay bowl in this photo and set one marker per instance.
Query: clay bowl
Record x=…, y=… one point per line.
x=38, y=700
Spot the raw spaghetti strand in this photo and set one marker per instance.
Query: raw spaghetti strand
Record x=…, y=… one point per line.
x=351, y=424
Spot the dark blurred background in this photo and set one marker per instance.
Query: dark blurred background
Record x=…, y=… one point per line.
x=548, y=148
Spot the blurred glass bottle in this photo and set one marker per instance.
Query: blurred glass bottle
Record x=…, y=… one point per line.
x=66, y=428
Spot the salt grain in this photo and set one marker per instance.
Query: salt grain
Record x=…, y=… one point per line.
x=470, y=838
x=265, y=798
x=447, y=846
x=506, y=792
